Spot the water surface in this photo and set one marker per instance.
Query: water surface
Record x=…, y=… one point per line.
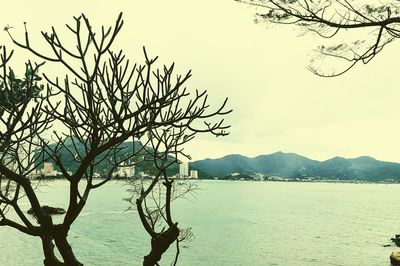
x=235, y=223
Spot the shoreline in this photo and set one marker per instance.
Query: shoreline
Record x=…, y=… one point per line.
x=330, y=181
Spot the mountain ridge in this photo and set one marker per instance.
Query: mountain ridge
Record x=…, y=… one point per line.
x=295, y=166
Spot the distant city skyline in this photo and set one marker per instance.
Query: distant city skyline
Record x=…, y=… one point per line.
x=278, y=104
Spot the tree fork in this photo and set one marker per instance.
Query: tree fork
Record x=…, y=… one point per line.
x=60, y=238
x=160, y=244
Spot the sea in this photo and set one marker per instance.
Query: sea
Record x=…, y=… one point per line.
x=233, y=223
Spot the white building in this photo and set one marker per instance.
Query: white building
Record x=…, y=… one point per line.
x=183, y=170
x=17, y=162
x=35, y=173
x=24, y=159
x=194, y=174
x=9, y=162
x=125, y=171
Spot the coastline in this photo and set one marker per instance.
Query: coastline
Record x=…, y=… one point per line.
x=330, y=181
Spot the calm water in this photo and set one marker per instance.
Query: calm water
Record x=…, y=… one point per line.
x=235, y=223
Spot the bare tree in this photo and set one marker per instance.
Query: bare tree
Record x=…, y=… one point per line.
x=21, y=123
x=155, y=211
x=153, y=199
x=102, y=102
x=330, y=18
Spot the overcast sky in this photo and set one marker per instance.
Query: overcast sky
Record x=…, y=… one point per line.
x=278, y=104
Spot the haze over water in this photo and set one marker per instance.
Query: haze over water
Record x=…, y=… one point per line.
x=235, y=223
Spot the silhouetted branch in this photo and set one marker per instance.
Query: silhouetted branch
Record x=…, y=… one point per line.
x=328, y=18
x=102, y=102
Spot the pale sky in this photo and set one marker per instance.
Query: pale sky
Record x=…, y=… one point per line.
x=278, y=104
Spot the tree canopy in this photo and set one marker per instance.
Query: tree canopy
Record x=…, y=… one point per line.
x=101, y=103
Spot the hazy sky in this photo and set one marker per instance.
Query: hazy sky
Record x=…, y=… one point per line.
x=278, y=104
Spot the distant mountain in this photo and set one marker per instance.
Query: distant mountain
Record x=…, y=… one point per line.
x=292, y=166
x=104, y=166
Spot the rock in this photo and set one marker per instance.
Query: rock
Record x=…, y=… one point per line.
x=49, y=210
x=396, y=240
x=395, y=258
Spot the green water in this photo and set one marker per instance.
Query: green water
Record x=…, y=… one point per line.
x=235, y=223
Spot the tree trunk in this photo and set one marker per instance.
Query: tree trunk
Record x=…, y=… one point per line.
x=50, y=258
x=64, y=248
x=159, y=244
x=59, y=235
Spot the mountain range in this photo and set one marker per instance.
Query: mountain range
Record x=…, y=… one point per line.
x=294, y=166
x=104, y=166
x=276, y=165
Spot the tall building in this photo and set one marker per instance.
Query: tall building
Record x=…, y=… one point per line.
x=48, y=168
x=183, y=170
x=9, y=162
x=194, y=174
x=23, y=158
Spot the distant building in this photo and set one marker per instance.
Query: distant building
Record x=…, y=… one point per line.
x=183, y=170
x=35, y=173
x=9, y=162
x=194, y=174
x=96, y=175
x=16, y=162
x=48, y=168
x=125, y=171
x=23, y=159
